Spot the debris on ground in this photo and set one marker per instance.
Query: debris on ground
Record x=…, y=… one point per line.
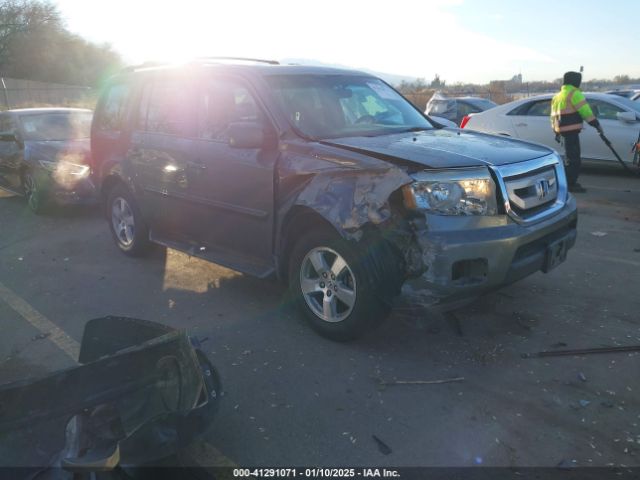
x=564, y=463
x=383, y=447
x=583, y=351
x=582, y=376
x=422, y=382
x=599, y=234
x=41, y=336
x=584, y=403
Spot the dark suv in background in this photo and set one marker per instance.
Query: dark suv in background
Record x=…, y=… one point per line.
x=328, y=179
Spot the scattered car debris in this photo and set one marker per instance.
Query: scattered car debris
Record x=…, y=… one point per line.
x=582, y=377
x=41, y=336
x=599, y=234
x=383, y=447
x=566, y=464
x=422, y=382
x=140, y=392
x=583, y=351
x=584, y=403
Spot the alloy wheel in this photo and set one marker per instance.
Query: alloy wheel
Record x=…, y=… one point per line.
x=123, y=221
x=31, y=191
x=327, y=284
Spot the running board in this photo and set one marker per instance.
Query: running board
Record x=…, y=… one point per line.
x=222, y=257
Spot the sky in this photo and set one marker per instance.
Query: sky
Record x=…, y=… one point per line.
x=460, y=40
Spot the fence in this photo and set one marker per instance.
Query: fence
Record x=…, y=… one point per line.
x=18, y=93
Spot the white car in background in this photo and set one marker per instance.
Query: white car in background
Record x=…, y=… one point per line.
x=528, y=119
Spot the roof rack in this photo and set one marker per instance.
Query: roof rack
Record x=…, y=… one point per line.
x=243, y=59
x=132, y=68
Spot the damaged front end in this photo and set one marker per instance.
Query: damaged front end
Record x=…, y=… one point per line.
x=449, y=234
x=141, y=392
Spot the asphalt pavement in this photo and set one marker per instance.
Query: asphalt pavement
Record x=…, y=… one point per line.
x=293, y=398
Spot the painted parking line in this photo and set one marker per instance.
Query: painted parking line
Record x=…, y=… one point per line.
x=201, y=452
x=622, y=261
x=54, y=333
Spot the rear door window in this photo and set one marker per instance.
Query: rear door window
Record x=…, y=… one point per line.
x=169, y=109
x=541, y=108
x=111, y=117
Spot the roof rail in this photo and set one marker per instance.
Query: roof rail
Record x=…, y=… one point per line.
x=244, y=59
x=132, y=68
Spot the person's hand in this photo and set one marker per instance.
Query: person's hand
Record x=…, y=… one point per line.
x=558, y=138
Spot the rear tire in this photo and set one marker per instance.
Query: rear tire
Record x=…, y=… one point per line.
x=128, y=228
x=330, y=281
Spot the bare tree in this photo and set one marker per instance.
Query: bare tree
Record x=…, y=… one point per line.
x=22, y=17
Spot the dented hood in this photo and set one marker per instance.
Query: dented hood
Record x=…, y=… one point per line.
x=444, y=148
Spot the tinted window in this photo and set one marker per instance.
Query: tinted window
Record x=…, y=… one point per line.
x=522, y=109
x=222, y=102
x=112, y=114
x=539, y=109
x=483, y=104
x=465, y=108
x=604, y=110
x=169, y=108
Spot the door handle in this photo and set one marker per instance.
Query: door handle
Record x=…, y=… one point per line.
x=521, y=124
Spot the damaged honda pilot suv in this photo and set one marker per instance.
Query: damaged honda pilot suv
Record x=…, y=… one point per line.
x=328, y=180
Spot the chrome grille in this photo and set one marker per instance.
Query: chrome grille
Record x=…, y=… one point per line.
x=534, y=189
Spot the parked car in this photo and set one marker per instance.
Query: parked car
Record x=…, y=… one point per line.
x=528, y=119
x=327, y=179
x=456, y=109
x=626, y=93
x=45, y=155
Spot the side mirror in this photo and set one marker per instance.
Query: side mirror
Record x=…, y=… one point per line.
x=628, y=117
x=246, y=135
x=8, y=137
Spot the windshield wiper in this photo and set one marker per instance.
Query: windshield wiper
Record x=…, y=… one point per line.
x=416, y=129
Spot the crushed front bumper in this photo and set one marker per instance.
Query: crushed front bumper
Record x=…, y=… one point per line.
x=467, y=256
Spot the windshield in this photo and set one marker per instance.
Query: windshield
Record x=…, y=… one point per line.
x=56, y=126
x=333, y=106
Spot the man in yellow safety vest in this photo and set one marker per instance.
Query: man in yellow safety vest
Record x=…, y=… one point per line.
x=569, y=109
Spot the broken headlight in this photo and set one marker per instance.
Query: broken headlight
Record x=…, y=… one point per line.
x=65, y=169
x=452, y=192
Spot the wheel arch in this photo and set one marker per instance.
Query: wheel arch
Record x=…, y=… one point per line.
x=297, y=221
x=384, y=262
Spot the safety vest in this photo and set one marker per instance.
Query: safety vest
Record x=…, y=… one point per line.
x=568, y=109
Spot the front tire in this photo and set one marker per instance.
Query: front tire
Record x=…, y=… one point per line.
x=127, y=226
x=33, y=193
x=331, y=283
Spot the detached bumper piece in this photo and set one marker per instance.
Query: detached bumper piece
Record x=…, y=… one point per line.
x=141, y=392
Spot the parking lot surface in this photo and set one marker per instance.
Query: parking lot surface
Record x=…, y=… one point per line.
x=294, y=398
